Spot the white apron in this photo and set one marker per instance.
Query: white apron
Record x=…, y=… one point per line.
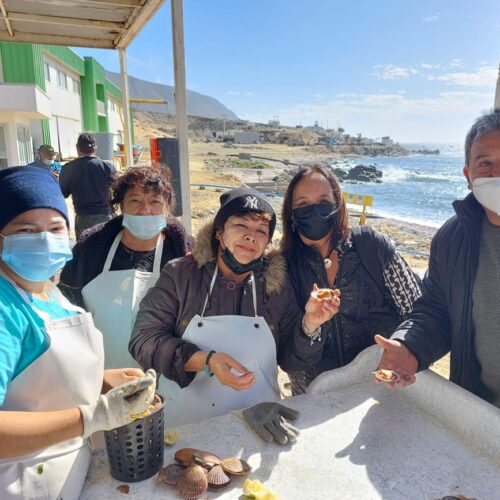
x=249, y=341
x=69, y=373
x=113, y=298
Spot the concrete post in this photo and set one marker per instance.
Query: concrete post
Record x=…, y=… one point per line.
x=181, y=108
x=127, y=132
x=497, y=93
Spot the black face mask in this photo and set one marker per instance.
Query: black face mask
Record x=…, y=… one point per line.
x=314, y=221
x=236, y=267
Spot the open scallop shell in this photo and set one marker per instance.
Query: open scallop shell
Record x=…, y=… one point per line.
x=236, y=466
x=205, y=458
x=217, y=478
x=192, y=483
x=185, y=456
x=386, y=375
x=170, y=474
x=323, y=294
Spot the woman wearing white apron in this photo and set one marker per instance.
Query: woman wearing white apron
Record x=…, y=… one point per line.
x=227, y=311
x=116, y=263
x=51, y=355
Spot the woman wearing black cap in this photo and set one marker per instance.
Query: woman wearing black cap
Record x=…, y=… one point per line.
x=227, y=311
x=51, y=355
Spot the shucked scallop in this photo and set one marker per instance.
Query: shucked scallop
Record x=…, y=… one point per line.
x=193, y=482
x=325, y=294
x=190, y=456
x=386, y=375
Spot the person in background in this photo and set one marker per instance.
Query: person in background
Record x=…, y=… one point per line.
x=458, y=311
x=115, y=263
x=218, y=322
x=47, y=159
x=54, y=391
x=87, y=180
x=377, y=286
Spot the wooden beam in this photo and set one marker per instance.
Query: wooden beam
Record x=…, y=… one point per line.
x=58, y=40
x=92, y=3
x=6, y=18
x=136, y=22
x=68, y=21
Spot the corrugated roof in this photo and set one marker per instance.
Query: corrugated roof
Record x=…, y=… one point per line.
x=106, y=24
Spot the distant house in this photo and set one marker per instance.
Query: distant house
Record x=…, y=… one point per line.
x=386, y=141
x=273, y=123
x=242, y=137
x=326, y=139
x=49, y=95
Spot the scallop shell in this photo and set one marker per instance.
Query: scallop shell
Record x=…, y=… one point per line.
x=192, y=483
x=170, y=474
x=205, y=458
x=236, y=466
x=217, y=478
x=185, y=456
x=386, y=375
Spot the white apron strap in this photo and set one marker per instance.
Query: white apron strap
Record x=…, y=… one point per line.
x=158, y=255
x=212, y=283
x=112, y=251
x=116, y=242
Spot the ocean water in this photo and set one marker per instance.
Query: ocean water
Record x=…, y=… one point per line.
x=416, y=188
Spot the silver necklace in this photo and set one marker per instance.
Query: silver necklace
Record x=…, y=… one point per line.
x=328, y=263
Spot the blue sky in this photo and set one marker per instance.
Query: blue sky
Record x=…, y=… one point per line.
x=418, y=71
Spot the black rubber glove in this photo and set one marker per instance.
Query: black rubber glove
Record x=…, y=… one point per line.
x=268, y=420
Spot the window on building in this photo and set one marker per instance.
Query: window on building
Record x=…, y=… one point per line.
x=24, y=145
x=46, y=70
x=62, y=80
x=76, y=86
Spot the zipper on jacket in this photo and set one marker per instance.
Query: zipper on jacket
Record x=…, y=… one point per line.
x=336, y=324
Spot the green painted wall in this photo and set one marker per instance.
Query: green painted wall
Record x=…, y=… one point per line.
x=22, y=63
x=46, y=132
x=66, y=56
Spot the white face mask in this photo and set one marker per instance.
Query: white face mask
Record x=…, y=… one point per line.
x=144, y=227
x=487, y=192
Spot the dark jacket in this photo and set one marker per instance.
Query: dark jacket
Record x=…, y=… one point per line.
x=180, y=293
x=442, y=318
x=367, y=301
x=88, y=179
x=89, y=255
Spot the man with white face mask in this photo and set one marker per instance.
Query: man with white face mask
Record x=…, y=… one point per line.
x=459, y=311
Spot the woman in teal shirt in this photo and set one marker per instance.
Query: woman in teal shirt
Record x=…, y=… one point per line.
x=54, y=392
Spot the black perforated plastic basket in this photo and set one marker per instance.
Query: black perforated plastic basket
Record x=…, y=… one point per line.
x=135, y=451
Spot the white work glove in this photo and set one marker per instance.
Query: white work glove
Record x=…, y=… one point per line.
x=116, y=407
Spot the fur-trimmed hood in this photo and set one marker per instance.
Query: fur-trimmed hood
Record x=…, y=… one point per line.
x=273, y=272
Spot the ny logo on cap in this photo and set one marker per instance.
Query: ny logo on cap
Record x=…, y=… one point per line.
x=251, y=202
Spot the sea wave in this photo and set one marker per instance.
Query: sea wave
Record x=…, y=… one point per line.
x=395, y=174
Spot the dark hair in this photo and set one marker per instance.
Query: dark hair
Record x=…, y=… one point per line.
x=86, y=143
x=150, y=179
x=482, y=126
x=340, y=232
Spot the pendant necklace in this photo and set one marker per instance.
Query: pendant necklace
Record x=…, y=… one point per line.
x=328, y=263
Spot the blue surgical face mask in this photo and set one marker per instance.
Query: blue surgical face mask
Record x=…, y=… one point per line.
x=144, y=227
x=48, y=162
x=36, y=256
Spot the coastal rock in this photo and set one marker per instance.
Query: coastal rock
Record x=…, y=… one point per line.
x=364, y=173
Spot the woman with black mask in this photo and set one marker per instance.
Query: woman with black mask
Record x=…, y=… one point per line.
x=218, y=323
x=377, y=286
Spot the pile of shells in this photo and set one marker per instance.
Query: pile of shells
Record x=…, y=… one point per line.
x=194, y=471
